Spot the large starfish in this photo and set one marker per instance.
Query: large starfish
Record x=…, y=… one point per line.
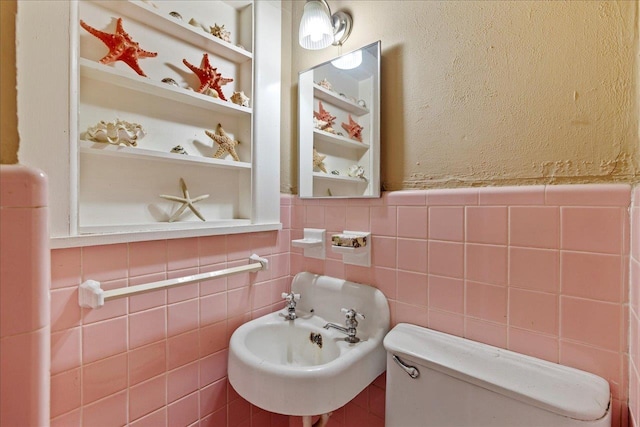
x=187, y=202
x=209, y=76
x=225, y=142
x=318, y=161
x=121, y=47
x=354, y=129
x=324, y=115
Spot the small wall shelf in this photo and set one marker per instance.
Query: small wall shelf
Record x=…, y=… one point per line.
x=355, y=256
x=322, y=136
x=339, y=101
x=313, y=243
x=338, y=178
x=96, y=71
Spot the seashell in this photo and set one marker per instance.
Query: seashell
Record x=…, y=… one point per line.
x=170, y=81
x=178, y=149
x=325, y=84
x=362, y=103
x=116, y=132
x=210, y=92
x=319, y=124
x=335, y=172
x=220, y=32
x=240, y=98
x=176, y=15
x=356, y=171
x=241, y=47
x=195, y=23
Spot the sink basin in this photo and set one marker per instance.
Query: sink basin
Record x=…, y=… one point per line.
x=280, y=366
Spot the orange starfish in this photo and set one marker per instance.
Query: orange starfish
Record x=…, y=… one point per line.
x=354, y=129
x=324, y=115
x=121, y=47
x=209, y=76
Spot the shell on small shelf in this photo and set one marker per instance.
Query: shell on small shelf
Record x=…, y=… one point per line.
x=220, y=32
x=240, y=98
x=116, y=132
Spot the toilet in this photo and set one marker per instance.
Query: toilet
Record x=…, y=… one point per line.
x=440, y=380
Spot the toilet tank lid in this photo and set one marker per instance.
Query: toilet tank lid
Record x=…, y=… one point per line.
x=560, y=389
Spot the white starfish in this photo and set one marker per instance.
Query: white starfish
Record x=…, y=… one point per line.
x=187, y=202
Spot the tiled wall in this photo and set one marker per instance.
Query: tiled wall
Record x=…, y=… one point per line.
x=539, y=270
x=634, y=310
x=158, y=359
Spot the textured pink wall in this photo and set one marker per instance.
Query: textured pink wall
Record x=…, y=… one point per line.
x=634, y=310
x=539, y=270
x=24, y=297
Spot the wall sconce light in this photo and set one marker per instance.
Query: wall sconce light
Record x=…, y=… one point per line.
x=319, y=28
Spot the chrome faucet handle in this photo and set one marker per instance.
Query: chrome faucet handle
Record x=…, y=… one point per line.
x=291, y=297
x=352, y=314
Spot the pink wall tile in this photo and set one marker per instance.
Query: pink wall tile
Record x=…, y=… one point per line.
x=212, y=249
x=593, y=229
x=529, y=195
x=150, y=300
x=114, y=309
x=535, y=269
x=65, y=392
x=453, y=197
x=70, y=419
x=65, y=350
x=213, y=397
x=111, y=411
x=335, y=218
x=104, y=378
x=182, y=293
x=406, y=313
x=446, y=259
x=213, y=286
x=412, y=288
x=105, y=262
x=594, y=276
x=408, y=198
x=534, y=344
x=213, y=308
x=182, y=253
x=486, y=263
x=385, y=279
x=147, y=257
x=486, y=224
x=183, y=412
x=412, y=222
x=182, y=317
x=155, y=419
x=65, y=267
x=182, y=349
x=412, y=255
x=446, y=294
x=383, y=251
x=149, y=361
x=213, y=367
x=446, y=223
x=591, y=322
x=213, y=338
x=147, y=397
x=486, y=332
x=486, y=302
x=534, y=226
x=183, y=381
x=104, y=339
x=383, y=220
x=140, y=332
x=446, y=322
x=65, y=311
x=535, y=311
x=588, y=195
x=357, y=218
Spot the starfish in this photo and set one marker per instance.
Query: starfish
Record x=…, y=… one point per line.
x=121, y=47
x=318, y=161
x=209, y=76
x=226, y=143
x=324, y=115
x=187, y=202
x=354, y=129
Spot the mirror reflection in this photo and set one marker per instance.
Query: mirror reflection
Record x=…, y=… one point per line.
x=339, y=126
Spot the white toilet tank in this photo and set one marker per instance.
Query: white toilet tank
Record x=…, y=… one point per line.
x=467, y=384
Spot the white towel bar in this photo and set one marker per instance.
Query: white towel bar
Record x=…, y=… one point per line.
x=90, y=295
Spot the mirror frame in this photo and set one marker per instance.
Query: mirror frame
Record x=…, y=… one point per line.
x=343, y=154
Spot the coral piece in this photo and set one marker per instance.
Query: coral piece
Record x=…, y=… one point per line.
x=220, y=32
x=318, y=161
x=240, y=98
x=209, y=76
x=116, y=132
x=187, y=202
x=354, y=129
x=121, y=47
x=324, y=115
x=226, y=143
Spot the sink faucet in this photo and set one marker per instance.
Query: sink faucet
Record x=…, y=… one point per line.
x=291, y=299
x=351, y=324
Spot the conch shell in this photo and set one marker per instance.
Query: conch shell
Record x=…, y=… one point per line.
x=220, y=32
x=240, y=98
x=116, y=132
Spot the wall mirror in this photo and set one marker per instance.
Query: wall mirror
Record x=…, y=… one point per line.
x=339, y=126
